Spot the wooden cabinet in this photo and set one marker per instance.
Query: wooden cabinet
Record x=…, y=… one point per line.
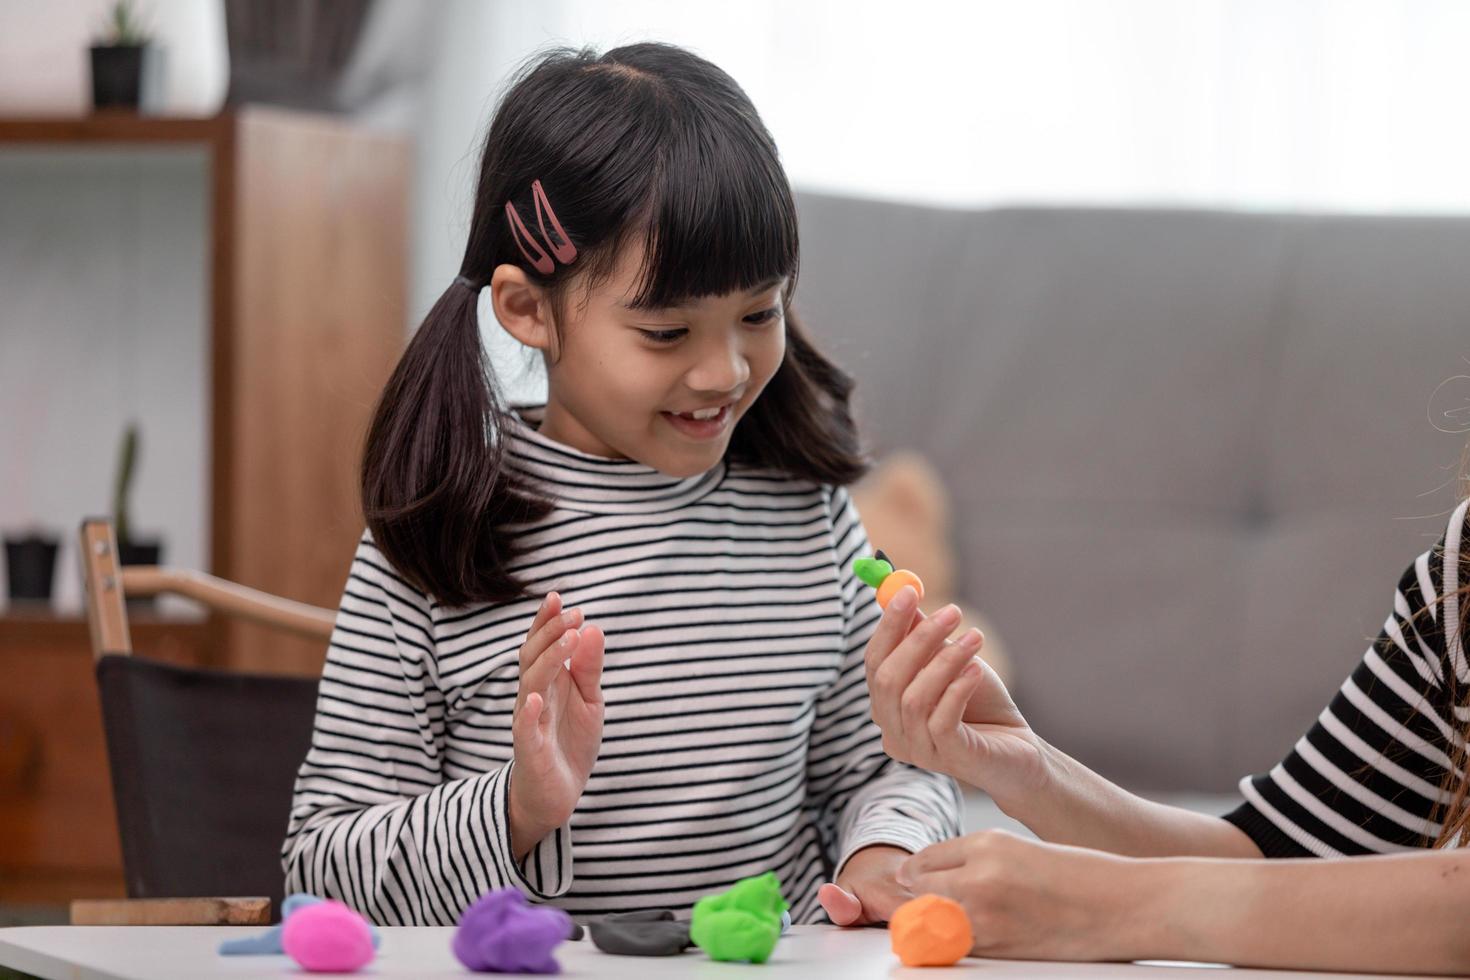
x=58, y=829
x=303, y=318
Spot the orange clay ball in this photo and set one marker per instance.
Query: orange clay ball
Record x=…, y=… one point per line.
x=930, y=931
x=894, y=582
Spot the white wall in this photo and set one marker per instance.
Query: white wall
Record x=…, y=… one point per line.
x=103, y=270
x=44, y=62
x=1276, y=104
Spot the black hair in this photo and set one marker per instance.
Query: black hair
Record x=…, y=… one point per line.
x=645, y=142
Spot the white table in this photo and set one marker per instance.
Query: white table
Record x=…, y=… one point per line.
x=166, y=952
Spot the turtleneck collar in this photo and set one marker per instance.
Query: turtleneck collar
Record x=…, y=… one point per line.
x=591, y=484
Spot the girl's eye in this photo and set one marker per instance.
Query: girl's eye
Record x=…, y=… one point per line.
x=664, y=336
x=672, y=334
x=764, y=316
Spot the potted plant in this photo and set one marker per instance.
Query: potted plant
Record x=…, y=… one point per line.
x=122, y=60
x=30, y=566
x=131, y=550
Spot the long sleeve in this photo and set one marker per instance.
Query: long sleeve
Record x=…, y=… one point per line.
x=1368, y=778
x=374, y=822
x=864, y=796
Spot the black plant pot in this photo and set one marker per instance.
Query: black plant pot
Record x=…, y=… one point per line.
x=30, y=567
x=117, y=75
x=140, y=551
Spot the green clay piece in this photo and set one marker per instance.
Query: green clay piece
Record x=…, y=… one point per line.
x=742, y=923
x=872, y=570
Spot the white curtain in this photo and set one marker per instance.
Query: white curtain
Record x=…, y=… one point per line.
x=1344, y=105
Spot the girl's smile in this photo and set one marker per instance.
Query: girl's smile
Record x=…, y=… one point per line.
x=686, y=481
x=705, y=423
x=664, y=387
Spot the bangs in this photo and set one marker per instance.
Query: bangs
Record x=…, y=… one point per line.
x=721, y=220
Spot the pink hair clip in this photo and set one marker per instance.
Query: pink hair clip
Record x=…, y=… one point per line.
x=565, y=253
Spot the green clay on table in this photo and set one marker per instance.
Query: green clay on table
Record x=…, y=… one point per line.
x=872, y=571
x=742, y=923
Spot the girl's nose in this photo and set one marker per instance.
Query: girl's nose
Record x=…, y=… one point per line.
x=721, y=369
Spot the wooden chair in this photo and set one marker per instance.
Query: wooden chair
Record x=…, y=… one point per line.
x=202, y=761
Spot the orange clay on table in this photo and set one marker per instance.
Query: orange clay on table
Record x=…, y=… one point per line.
x=895, y=581
x=930, y=931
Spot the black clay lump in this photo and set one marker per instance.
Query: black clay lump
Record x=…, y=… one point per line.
x=653, y=932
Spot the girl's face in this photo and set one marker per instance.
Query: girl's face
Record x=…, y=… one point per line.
x=662, y=387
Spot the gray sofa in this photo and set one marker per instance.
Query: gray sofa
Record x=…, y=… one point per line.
x=1190, y=452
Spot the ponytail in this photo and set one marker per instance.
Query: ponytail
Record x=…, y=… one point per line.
x=434, y=491
x=647, y=141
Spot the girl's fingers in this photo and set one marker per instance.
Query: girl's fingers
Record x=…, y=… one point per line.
x=538, y=641
x=525, y=726
x=543, y=670
x=550, y=608
x=922, y=694
x=841, y=905
x=586, y=666
x=898, y=619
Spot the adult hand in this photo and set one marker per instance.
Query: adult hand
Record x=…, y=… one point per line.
x=1031, y=900
x=941, y=707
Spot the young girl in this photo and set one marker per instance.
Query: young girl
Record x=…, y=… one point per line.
x=609, y=651
x=1381, y=773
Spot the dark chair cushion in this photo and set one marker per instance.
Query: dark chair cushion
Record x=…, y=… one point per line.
x=203, y=764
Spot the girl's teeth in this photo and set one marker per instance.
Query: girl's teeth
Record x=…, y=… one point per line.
x=703, y=415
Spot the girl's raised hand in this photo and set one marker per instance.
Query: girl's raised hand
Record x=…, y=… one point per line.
x=941, y=707
x=557, y=728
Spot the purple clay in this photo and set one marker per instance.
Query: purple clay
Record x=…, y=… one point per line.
x=501, y=933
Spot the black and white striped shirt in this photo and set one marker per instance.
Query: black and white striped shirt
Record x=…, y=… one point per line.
x=737, y=737
x=1367, y=778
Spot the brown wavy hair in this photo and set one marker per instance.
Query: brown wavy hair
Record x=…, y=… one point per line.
x=1454, y=816
x=646, y=142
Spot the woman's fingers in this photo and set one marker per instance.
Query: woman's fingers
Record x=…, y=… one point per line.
x=898, y=619
x=952, y=883
x=898, y=668
x=586, y=668
x=921, y=697
x=948, y=714
x=943, y=856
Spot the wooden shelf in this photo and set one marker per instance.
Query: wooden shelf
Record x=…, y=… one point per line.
x=306, y=314
x=19, y=622
x=115, y=128
x=58, y=829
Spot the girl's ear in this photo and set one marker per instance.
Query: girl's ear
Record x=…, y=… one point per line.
x=521, y=307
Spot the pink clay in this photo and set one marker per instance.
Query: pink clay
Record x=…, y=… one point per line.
x=327, y=938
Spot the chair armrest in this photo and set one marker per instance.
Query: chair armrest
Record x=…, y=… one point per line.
x=232, y=598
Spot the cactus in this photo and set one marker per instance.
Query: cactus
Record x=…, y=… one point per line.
x=123, y=28
x=127, y=460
